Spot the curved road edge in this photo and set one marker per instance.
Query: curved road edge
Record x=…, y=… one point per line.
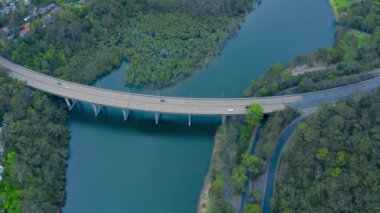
x=247, y=182
x=274, y=161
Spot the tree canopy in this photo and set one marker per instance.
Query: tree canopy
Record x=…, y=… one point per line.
x=254, y=114
x=356, y=50
x=164, y=40
x=332, y=161
x=35, y=139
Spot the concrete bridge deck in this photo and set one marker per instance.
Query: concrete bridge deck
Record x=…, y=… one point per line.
x=176, y=105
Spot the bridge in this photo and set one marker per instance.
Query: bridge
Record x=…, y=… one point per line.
x=126, y=102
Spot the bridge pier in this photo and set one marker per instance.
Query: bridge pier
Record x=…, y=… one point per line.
x=125, y=113
x=97, y=109
x=70, y=103
x=224, y=119
x=189, y=120
x=157, y=117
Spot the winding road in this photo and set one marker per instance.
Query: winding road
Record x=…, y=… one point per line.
x=273, y=163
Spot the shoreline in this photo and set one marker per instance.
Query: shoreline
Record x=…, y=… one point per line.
x=203, y=200
x=335, y=10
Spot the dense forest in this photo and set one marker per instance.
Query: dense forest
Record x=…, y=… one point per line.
x=356, y=50
x=271, y=130
x=35, y=139
x=332, y=162
x=164, y=40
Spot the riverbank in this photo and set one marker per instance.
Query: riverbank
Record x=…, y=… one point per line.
x=231, y=163
x=335, y=10
x=207, y=202
x=204, y=199
x=308, y=170
x=213, y=196
x=176, y=155
x=164, y=43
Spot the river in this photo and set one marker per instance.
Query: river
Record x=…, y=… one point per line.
x=137, y=166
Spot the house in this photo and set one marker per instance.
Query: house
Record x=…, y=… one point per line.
x=24, y=31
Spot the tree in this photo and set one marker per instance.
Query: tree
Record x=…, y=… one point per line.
x=330, y=162
x=216, y=189
x=253, y=208
x=251, y=163
x=254, y=114
x=238, y=179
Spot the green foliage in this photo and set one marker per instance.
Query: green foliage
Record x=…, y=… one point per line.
x=253, y=208
x=271, y=131
x=356, y=50
x=330, y=164
x=322, y=154
x=8, y=189
x=164, y=40
x=339, y=5
x=255, y=196
x=167, y=47
x=239, y=177
x=254, y=114
x=36, y=144
x=216, y=196
x=251, y=163
x=230, y=163
x=216, y=189
x=270, y=84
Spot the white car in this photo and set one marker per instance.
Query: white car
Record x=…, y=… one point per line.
x=230, y=110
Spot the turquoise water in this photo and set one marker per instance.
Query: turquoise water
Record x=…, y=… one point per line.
x=137, y=166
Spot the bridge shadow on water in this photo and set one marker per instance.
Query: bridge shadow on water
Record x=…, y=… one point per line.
x=144, y=122
x=136, y=160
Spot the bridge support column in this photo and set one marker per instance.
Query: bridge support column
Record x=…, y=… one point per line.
x=189, y=120
x=157, y=117
x=70, y=103
x=125, y=113
x=97, y=109
x=224, y=119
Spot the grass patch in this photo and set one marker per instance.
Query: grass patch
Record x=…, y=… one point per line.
x=339, y=5
x=351, y=43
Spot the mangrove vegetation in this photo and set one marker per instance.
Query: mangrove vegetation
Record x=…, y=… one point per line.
x=163, y=40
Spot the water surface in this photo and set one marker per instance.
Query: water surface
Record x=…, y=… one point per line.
x=137, y=166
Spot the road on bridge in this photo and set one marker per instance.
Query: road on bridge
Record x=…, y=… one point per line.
x=177, y=105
